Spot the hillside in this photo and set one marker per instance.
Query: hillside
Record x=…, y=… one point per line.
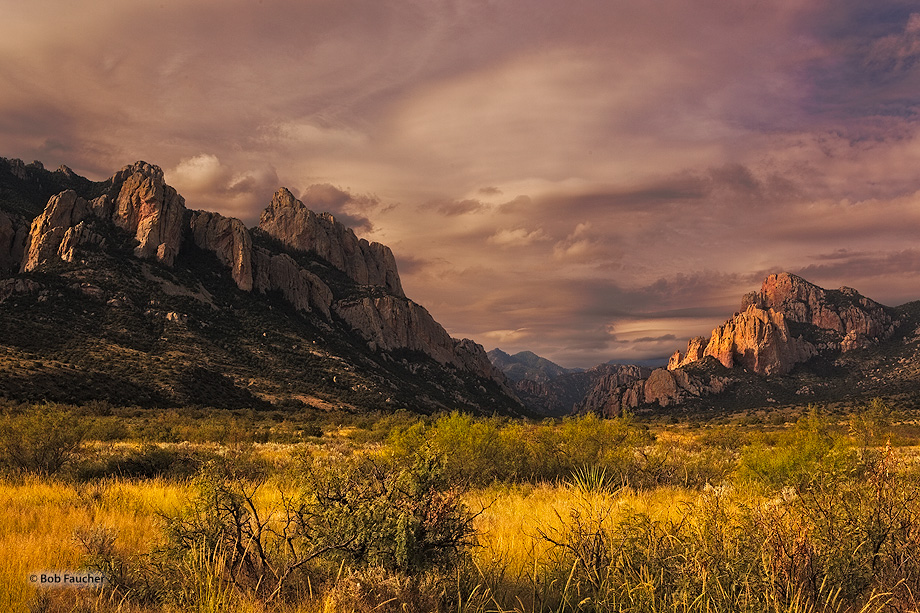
x=114, y=291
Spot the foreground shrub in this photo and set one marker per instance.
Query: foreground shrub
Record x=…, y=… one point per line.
x=41, y=440
x=793, y=456
x=236, y=536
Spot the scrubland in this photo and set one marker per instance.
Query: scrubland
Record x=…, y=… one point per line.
x=808, y=510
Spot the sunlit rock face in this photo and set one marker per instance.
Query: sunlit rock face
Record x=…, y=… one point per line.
x=287, y=220
x=759, y=338
x=149, y=209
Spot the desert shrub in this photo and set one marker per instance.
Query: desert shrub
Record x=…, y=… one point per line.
x=148, y=462
x=479, y=451
x=43, y=439
x=844, y=540
x=855, y=526
x=793, y=455
x=372, y=513
x=679, y=464
x=870, y=425
x=354, y=513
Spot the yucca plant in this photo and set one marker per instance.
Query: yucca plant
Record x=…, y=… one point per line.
x=590, y=479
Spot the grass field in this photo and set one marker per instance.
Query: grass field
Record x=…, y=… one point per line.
x=452, y=513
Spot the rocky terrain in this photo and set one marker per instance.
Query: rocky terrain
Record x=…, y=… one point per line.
x=118, y=286
x=791, y=341
x=549, y=389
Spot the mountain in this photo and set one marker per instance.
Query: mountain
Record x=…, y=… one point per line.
x=526, y=365
x=548, y=389
x=115, y=291
x=791, y=342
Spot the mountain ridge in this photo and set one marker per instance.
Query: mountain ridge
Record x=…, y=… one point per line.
x=134, y=231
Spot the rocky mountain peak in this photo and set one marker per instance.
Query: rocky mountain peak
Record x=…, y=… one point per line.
x=289, y=221
x=150, y=209
x=759, y=337
x=358, y=310
x=857, y=319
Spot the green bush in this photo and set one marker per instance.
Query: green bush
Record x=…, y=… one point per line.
x=479, y=451
x=794, y=455
x=42, y=440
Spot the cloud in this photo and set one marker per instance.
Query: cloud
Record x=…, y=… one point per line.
x=640, y=188
x=518, y=237
x=579, y=246
x=209, y=184
x=454, y=208
x=201, y=172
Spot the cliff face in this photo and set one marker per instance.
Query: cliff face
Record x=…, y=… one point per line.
x=60, y=218
x=229, y=239
x=389, y=323
x=138, y=201
x=301, y=288
x=855, y=320
x=369, y=303
x=758, y=340
x=287, y=220
x=148, y=208
x=759, y=337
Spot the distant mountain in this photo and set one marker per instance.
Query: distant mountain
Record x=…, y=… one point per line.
x=114, y=291
x=546, y=388
x=526, y=365
x=791, y=343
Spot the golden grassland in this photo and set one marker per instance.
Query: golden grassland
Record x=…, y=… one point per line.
x=42, y=518
x=630, y=518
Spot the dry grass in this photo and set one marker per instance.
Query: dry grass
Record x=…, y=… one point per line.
x=39, y=519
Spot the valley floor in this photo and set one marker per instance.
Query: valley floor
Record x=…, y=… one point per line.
x=453, y=513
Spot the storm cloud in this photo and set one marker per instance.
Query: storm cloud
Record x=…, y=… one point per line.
x=588, y=181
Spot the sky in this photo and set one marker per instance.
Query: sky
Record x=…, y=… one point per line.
x=588, y=180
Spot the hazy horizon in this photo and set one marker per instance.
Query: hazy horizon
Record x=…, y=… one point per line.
x=589, y=182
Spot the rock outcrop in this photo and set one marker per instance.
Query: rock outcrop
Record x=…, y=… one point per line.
x=287, y=220
x=696, y=349
x=758, y=340
x=301, y=288
x=54, y=233
x=759, y=337
x=662, y=387
x=148, y=208
x=390, y=323
x=844, y=312
x=229, y=239
x=138, y=200
x=787, y=322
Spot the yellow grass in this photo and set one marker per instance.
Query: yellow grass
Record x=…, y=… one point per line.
x=513, y=552
x=39, y=518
